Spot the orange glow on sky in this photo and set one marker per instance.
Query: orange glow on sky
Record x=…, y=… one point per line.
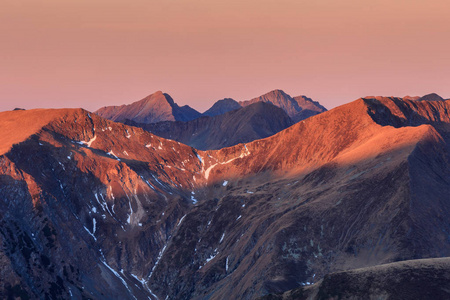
x=95, y=53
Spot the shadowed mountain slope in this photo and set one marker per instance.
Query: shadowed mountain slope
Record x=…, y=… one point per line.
x=407, y=280
x=159, y=114
x=244, y=125
x=309, y=108
x=298, y=108
x=431, y=97
x=221, y=107
x=97, y=209
x=156, y=107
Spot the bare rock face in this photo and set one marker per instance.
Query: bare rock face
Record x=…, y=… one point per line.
x=156, y=107
x=244, y=125
x=90, y=208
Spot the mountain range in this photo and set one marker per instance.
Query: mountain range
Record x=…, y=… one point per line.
x=253, y=122
x=159, y=107
x=91, y=208
x=226, y=123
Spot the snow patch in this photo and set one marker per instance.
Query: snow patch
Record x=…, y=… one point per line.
x=226, y=265
x=144, y=284
x=160, y=255
x=243, y=154
x=181, y=220
x=210, y=258
x=209, y=170
x=225, y=182
x=90, y=141
x=120, y=277
x=111, y=153
x=90, y=233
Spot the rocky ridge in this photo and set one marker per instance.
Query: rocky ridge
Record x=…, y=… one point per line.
x=114, y=212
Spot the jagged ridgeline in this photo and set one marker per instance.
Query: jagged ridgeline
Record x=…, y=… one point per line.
x=95, y=209
x=226, y=123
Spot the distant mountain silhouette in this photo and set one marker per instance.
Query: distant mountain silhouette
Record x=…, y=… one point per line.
x=156, y=107
x=256, y=121
x=298, y=108
x=159, y=107
x=221, y=107
x=431, y=97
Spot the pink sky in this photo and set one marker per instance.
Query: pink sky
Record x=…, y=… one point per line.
x=94, y=53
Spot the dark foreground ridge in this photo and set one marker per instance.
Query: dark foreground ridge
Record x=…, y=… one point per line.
x=407, y=280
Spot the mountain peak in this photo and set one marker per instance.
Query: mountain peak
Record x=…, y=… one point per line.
x=157, y=96
x=297, y=109
x=222, y=106
x=277, y=92
x=431, y=97
x=155, y=107
x=18, y=125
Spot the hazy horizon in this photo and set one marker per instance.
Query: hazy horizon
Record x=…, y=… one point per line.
x=93, y=54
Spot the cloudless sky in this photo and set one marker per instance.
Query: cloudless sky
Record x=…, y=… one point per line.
x=92, y=53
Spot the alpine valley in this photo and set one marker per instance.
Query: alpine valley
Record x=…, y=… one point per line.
x=351, y=203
